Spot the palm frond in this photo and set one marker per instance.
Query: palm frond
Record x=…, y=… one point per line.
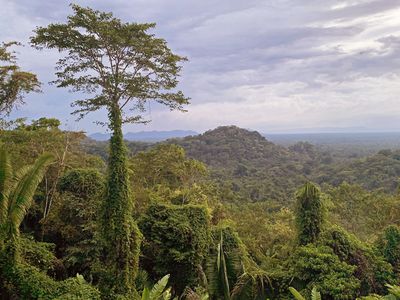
x=158, y=289
x=5, y=177
x=212, y=274
x=296, y=294
x=21, y=197
x=223, y=271
x=146, y=294
x=394, y=290
x=243, y=288
x=250, y=285
x=315, y=295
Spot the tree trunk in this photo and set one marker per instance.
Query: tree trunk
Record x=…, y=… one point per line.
x=120, y=232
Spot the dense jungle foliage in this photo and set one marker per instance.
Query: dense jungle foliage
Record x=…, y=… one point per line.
x=222, y=215
x=200, y=224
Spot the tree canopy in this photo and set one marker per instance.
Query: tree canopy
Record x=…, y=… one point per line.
x=14, y=82
x=118, y=64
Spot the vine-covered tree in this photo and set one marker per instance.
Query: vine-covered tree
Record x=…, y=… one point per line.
x=309, y=213
x=14, y=82
x=121, y=67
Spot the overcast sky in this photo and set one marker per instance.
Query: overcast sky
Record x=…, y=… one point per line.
x=273, y=66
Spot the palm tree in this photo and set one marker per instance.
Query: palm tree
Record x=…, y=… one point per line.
x=220, y=268
x=16, y=193
x=232, y=276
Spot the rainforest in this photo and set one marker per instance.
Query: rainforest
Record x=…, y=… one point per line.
x=229, y=213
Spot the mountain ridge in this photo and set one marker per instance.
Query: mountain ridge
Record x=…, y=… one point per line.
x=146, y=136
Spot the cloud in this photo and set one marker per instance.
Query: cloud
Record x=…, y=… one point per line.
x=268, y=65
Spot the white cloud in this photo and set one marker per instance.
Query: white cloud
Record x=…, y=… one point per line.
x=272, y=66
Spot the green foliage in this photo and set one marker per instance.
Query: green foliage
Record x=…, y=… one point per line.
x=231, y=273
x=16, y=192
x=380, y=170
x=224, y=265
x=267, y=230
x=121, y=236
x=309, y=213
x=165, y=174
x=14, y=82
x=82, y=183
x=252, y=284
x=218, y=280
x=166, y=164
x=371, y=269
x=246, y=166
x=72, y=223
x=318, y=266
x=315, y=295
x=39, y=254
x=40, y=124
x=33, y=284
x=139, y=68
x=157, y=292
x=394, y=290
x=296, y=294
x=26, y=146
x=176, y=241
x=389, y=246
x=362, y=212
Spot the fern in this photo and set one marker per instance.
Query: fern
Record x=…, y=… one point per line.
x=315, y=295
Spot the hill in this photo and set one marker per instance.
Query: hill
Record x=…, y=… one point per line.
x=257, y=169
x=247, y=163
x=249, y=167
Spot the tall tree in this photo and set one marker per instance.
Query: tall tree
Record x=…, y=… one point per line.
x=121, y=66
x=309, y=213
x=14, y=82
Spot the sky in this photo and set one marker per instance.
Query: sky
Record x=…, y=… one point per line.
x=271, y=65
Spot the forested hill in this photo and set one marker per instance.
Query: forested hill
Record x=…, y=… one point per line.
x=249, y=167
x=230, y=146
x=258, y=169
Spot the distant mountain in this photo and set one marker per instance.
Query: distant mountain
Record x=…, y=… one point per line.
x=147, y=136
x=98, y=136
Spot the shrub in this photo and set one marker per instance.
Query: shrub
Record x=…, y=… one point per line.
x=320, y=267
x=38, y=254
x=176, y=241
x=371, y=268
x=30, y=283
x=388, y=245
x=82, y=183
